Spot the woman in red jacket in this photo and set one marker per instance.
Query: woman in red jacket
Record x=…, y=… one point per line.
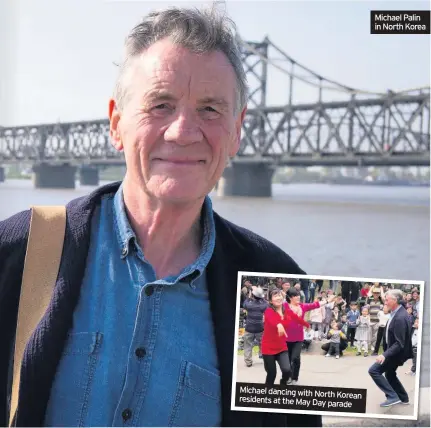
x=274, y=348
x=295, y=333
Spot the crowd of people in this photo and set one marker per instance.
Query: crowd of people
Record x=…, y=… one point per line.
x=284, y=317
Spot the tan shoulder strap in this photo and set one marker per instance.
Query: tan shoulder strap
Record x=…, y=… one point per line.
x=42, y=262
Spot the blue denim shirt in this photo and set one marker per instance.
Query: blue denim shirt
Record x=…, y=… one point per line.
x=141, y=351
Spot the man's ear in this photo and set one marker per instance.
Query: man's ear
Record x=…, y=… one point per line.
x=238, y=126
x=114, y=128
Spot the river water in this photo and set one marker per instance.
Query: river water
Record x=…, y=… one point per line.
x=334, y=230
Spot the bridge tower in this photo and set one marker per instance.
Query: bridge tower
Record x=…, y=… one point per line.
x=54, y=176
x=55, y=172
x=252, y=178
x=89, y=175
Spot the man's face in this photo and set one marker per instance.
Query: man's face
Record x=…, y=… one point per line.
x=298, y=286
x=285, y=286
x=390, y=302
x=178, y=126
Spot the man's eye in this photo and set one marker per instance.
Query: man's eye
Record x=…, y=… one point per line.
x=209, y=113
x=161, y=106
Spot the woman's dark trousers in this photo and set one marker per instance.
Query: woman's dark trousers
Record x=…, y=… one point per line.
x=294, y=350
x=271, y=369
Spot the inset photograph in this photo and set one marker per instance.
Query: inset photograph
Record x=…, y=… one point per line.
x=327, y=345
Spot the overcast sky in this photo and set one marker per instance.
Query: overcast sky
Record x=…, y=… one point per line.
x=57, y=62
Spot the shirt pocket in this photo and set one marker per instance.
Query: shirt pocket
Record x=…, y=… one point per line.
x=68, y=402
x=198, y=398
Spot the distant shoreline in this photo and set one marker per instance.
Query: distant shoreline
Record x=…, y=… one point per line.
x=357, y=182
x=335, y=181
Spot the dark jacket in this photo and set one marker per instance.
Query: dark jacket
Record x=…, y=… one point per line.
x=398, y=349
x=235, y=249
x=255, y=309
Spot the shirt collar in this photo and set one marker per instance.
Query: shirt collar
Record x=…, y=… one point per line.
x=125, y=234
x=122, y=226
x=394, y=312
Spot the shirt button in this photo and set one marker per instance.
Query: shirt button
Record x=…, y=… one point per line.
x=140, y=352
x=127, y=414
x=149, y=290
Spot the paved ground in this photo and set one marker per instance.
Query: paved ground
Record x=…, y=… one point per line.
x=347, y=372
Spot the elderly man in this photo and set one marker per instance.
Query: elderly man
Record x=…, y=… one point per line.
x=140, y=330
x=397, y=350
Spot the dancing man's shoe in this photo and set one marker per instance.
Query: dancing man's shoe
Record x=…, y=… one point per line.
x=390, y=402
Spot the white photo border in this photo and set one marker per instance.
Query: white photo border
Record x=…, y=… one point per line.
x=421, y=285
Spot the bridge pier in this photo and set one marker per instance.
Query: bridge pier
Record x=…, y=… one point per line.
x=2, y=174
x=89, y=175
x=47, y=176
x=246, y=179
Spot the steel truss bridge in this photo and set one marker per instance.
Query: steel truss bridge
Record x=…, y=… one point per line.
x=359, y=128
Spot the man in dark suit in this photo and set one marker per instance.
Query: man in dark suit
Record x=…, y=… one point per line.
x=397, y=350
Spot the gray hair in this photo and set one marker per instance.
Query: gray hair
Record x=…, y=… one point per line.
x=396, y=294
x=200, y=31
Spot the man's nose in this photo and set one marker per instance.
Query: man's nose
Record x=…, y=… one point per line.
x=184, y=129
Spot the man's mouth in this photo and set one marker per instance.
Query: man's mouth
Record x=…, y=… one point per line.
x=181, y=161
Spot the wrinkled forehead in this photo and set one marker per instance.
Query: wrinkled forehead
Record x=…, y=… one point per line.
x=177, y=69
